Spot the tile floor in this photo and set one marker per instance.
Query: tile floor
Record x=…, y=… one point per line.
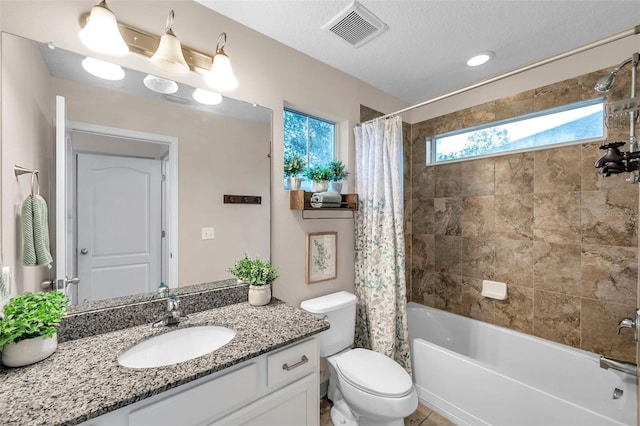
x=423, y=416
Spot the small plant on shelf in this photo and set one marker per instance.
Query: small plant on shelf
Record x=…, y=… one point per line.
x=318, y=173
x=294, y=164
x=338, y=171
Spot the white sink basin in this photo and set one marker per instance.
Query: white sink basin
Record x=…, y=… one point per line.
x=176, y=346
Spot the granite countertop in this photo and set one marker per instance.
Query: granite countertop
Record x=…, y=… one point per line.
x=83, y=379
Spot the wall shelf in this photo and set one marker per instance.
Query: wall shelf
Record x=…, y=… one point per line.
x=301, y=200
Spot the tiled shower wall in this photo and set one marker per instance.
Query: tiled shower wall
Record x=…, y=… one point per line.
x=563, y=238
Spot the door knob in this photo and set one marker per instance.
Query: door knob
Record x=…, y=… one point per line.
x=84, y=251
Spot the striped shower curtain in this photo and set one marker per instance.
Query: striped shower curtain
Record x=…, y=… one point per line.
x=381, y=317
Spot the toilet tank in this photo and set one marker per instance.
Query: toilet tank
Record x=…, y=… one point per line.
x=339, y=309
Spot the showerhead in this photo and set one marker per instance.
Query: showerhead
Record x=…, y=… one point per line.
x=606, y=83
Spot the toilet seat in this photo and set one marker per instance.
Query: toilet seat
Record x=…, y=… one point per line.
x=373, y=373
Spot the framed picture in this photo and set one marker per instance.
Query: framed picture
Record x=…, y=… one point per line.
x=322, y=256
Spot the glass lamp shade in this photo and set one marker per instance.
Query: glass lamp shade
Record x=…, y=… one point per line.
x=102, y=69
x=160, y=85
x=221, y=75
x=206, y=97
x=101, y=33
x=169, y=55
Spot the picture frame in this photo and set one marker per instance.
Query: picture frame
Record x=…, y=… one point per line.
x=321, y=257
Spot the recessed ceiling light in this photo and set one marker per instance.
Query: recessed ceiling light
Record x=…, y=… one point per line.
x=102, y=69
x=480, y=58
x=160, y=85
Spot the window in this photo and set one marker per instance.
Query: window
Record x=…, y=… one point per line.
x=311, y=137
x=576, y=122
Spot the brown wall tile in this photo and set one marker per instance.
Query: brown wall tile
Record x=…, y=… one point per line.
x=516, y=312
x=557, y=317
x=514, y=216
x=448, y=251
x=610, y=273
x=514, y=174
x=557, y=268
x=514, y=262
x=556, y=217
x=556, y=170
x=610, y=218
x=447, y=214
x=478, y=217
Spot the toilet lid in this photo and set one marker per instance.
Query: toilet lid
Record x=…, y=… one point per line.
x=374, y=373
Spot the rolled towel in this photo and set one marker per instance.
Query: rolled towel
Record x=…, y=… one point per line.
x=35, y=231
x=326, y=199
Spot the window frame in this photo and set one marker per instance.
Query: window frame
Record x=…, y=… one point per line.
x=430, y=157
x=311, y=116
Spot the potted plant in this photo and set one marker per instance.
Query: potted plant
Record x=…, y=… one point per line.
x=338, y=174
x=28, y=328
x=259, y=274
x=294, y=165
x=319, y=176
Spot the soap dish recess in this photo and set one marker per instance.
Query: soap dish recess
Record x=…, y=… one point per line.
x=494, y=290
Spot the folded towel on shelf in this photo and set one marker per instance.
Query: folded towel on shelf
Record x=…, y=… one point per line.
x=35, y=231
x=325, y=199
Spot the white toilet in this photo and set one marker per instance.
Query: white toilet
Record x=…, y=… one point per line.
x=366, y=387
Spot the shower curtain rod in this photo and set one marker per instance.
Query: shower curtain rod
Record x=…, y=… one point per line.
x=630, y=32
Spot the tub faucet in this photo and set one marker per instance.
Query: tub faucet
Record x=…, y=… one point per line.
x=173, y=315
x=615, y=364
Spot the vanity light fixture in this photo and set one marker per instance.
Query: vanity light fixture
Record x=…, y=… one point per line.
x=101, y=32
x=480, y=58
x=160, y=85
x=221, y=75
x=206, y=97
x=102, y=69
x=169, y=55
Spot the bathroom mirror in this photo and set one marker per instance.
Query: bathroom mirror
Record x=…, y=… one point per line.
x=219, y=150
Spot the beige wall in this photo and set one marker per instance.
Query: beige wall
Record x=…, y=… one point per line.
x=269, y=74
x=563, y=237
x=27, y=118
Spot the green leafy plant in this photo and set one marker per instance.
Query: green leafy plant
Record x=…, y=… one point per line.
x=318, y=173
x=254, y=271
x=32, y=315
x=294, y=164
x=338, y=170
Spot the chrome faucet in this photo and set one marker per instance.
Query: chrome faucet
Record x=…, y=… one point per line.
x=173, y=315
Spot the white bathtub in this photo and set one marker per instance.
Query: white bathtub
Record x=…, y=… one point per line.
x=476, y=373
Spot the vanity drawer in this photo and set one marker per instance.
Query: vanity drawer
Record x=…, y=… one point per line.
x=292, y=363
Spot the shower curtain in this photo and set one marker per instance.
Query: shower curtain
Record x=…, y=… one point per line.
x=381, y=317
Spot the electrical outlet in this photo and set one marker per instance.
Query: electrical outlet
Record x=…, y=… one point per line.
x=208, y=234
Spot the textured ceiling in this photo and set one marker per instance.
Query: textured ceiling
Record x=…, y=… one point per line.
x=423, y=53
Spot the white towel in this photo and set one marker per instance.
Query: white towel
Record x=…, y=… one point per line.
x=35, y=231
x=326, y=199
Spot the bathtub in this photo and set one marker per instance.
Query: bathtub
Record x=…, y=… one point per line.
x=476, y=373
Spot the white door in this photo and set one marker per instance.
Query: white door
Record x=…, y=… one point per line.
x=119, y=226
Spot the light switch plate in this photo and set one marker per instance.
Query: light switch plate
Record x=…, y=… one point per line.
x=208, y=234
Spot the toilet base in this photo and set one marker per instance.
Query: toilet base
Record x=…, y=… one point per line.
x=342, y=416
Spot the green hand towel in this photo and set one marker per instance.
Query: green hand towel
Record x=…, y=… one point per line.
x=35, y=231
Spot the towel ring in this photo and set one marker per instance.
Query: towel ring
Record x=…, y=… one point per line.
x=35, y=183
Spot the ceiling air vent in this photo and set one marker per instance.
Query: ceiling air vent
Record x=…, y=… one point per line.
x=356, y=25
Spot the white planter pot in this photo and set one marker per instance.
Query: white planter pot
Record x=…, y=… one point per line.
x=28, y=351
x=319, y=186
x=335, y=187
x=259, y=295
x=294, y=183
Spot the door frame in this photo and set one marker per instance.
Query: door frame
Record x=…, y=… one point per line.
x=170, y=257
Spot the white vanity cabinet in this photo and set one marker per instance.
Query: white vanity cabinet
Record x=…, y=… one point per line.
x=278, y=388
